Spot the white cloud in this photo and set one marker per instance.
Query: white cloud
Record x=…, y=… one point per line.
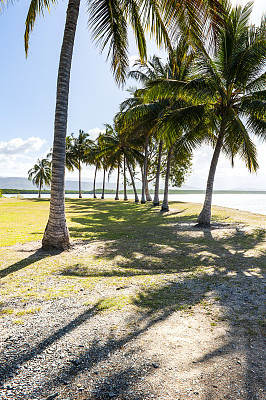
x=227, y=177
x=17, y=156
x=94, y=133
x=18, y=147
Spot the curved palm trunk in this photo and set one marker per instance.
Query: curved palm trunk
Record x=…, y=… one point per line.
x=156, y=200
x=144, y=172
x=133, y=183
x=80, y=196
x=204, y=218
x=102, y=197
x=94, y=183
x=166, y=183
x=125, y=180
x=56, y=233
x=117, y=183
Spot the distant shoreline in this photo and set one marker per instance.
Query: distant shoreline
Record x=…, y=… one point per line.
x=130, y=191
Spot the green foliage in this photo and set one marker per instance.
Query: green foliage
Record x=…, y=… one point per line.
x=181, y=167
x=228, y=91
x=41, y=173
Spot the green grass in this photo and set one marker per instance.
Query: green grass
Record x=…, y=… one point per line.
x=147, y=260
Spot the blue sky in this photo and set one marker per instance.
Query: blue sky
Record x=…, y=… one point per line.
x=28, y=88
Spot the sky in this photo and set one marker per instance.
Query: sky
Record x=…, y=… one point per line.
x=28, y=89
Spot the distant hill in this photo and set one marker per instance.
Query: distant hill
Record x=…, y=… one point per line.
x=24, y=183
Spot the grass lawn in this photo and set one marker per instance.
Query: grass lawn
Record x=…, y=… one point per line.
x=118, y=244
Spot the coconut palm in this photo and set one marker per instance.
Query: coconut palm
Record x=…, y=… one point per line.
x=109, y=24
x=40, y=174
x=121, y=149
x=81, y=147
x=139, y=120
x=153, y=109
x=91, y=155
x=229, y=94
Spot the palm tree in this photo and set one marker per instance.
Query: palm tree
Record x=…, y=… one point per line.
x=81, y=146
x=71, y=160
x=228, y=95
x=91, y=157
x=120, y=148
x=152, y=108
x=139, y=120
x=108, y=21
x=40, y=174
x=165, y=206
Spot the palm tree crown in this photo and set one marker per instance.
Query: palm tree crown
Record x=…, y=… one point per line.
x=228, y=93
x=40, y=174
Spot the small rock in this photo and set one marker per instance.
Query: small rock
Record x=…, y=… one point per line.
x=75, y=362
x=155, y=365
x=195, y=392
x=52, y=396
x=215, y=386
x=112, y=394
x=65, y=382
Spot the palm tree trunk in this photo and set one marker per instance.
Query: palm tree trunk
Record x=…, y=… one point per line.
x=94, y=183
x=102, y=197
x=117, y=183
x=147, y=192
x=80, y=196
x=156, y=200
x=144, y=172
x=204, y=218
x=56, y=233
x=40, y=189
x=166, y=182
x=133, y=183
x=125, y=180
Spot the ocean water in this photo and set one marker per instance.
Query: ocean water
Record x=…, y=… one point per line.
x=253, y=202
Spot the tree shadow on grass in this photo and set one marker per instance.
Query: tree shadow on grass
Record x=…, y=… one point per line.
x=31, y=259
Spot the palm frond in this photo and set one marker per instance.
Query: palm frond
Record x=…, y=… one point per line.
x=240, y=142
x=109, y=28
x=36, y=7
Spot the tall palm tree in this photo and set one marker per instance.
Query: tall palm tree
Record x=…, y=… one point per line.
x=121, y=149
x=40, y=174
x=228, y=95
x=81, y=147
x=152, y=108
x=71, y=160
x=108, y=21
x=91, y=157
